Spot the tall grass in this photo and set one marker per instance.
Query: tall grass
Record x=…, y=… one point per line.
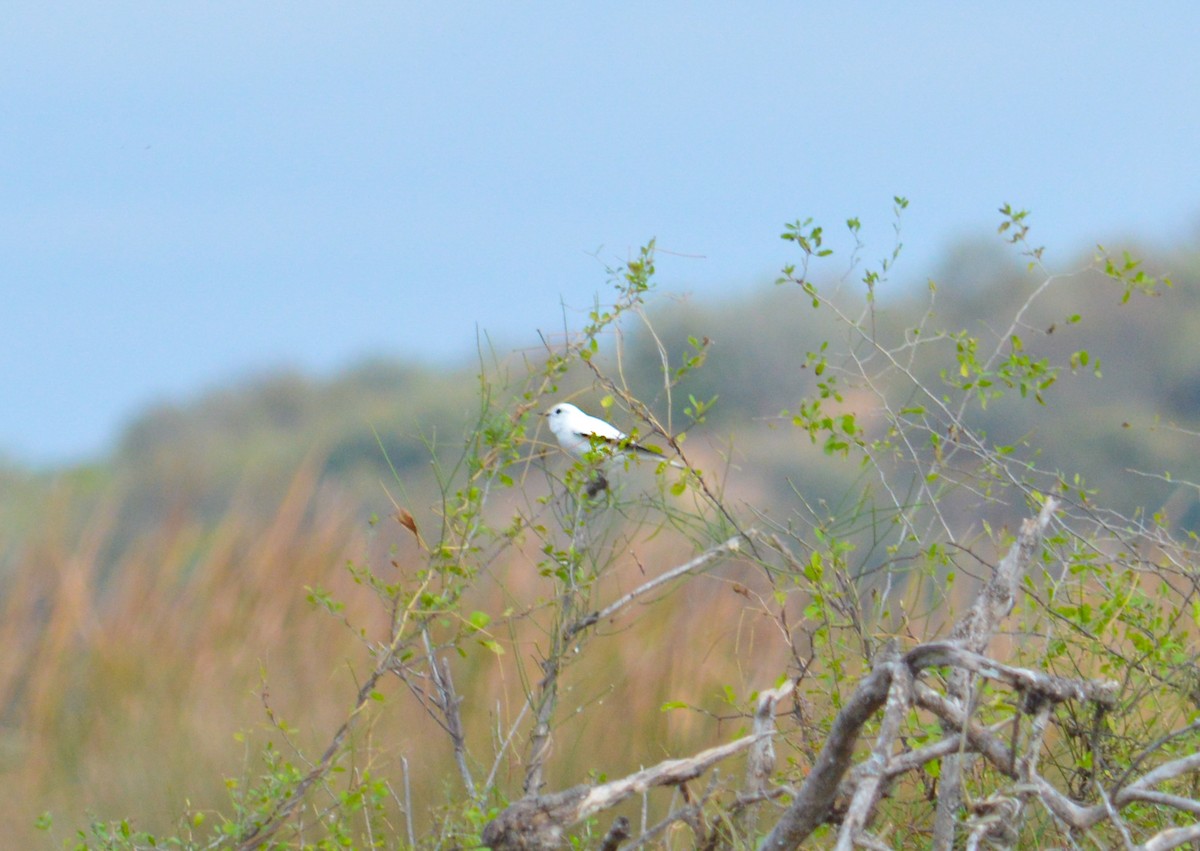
x=144, y=682
x=124, y=683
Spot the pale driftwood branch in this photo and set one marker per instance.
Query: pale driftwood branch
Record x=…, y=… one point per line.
x=998, y=597
x=1114, y=816
x=993, y=821
x=538, y=821
x=1075, y=816
x=670, y=772
x=1164, y=799
x=816, y=794
x=873, y=770
x=1168, y=771
x=1031, y=683
x=902, y=763
x=974, y=631
x=712, y=553
x=761, y=760
x=1173, y=838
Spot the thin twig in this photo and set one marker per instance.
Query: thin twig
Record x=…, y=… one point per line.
x=730, y=545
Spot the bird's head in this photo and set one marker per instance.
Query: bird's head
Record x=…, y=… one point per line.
x=560, y=414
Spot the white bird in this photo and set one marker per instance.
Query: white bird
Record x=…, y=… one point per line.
x=578, y=433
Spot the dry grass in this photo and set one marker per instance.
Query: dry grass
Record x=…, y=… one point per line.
x=125, y=685
x=137, y=687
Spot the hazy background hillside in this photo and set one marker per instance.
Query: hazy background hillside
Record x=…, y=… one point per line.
x=379, y=425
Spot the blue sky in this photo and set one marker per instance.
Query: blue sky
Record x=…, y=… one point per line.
x=190, y=192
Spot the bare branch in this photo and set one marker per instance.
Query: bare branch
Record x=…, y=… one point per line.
x=1173, y=838
x=899, y=702
x=993, y=603
x=729, y=546
x=761, y=760
x=994, y=821
x=448, y=702
x=1045, y=686
x=408, y=820
x=1149, y=796
x=816, y=795
x=538, y=821
x=504, y=744
x=1114, y=817
x=1168, y=771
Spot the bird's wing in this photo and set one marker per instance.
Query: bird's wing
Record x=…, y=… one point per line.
x=596, y=427
x=605, y=433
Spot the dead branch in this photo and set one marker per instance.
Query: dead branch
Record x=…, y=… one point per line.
x=893, y=679
x=1033, y=684
x=446, y=699
x=729, y=546
x=761, y=760
x=974, y=633
x=538, y=821
x=1073, y=815
x=1172, y=838
x=816, y=795
x=978, y=738
x=893, y=685
x=899, y=702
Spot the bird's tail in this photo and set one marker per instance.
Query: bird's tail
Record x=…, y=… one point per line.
x=657, y=455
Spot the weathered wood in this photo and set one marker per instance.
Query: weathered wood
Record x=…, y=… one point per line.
x=974, y=632
x=539, y=821
x=817, y=793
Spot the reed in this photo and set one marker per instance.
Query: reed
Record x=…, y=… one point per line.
x=144, y=682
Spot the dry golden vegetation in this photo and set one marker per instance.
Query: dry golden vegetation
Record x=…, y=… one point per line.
x=148, y=690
